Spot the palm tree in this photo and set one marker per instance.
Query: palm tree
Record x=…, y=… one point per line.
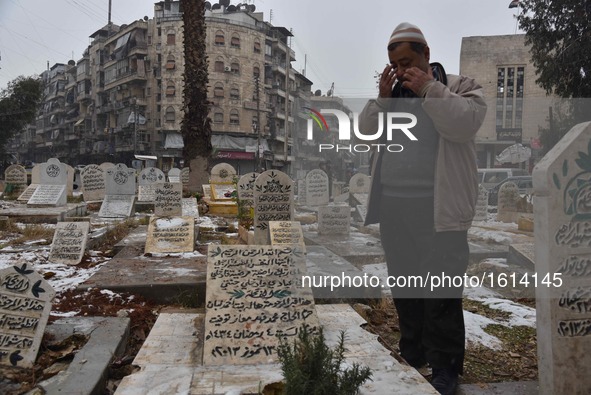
x=196, y=125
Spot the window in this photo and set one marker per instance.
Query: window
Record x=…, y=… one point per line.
x=170, y=39
x=170, y=63
x=257, y=47
x=170, y=114
x=256, y=72
x=170, y=89
x=219, y=38
x=234, y=93
x=218, y=90
x=510, y=87
x=219, y=66
x=218, y=117
x=235, y=41
x=234, y=117
x=235, y=67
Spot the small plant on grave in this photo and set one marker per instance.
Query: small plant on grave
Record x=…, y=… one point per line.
x=309, y=366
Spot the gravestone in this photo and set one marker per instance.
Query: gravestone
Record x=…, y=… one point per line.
x=481, y=213
x=254, y=295
x=69, y=242
x=147, y=181
x=174, y=175
x=562, y=212
x=190, y=208
x=222, y=173
x=507, y=207
x=170, y=234
x=106, y=165
x=185, y=175
x=302, y=192
x=70, y=182
x=359, y=183
x=273, y=201
x=53, y=177
x=362, y=212
x=25, y=304
x=317, y=188
x=168, y=199
x=119, y=200
x=36, y=174
x=16, y=175
x=206, y=191
x=93, y=183
x=334, y=220
x=245, y=189
x=26, y=195
x=286, y=233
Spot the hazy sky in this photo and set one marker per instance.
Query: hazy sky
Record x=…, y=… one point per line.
x=343, y=41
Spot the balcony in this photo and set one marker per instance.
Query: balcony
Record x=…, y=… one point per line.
x=125, y=77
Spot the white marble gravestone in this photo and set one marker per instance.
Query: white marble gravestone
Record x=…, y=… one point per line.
x=170, y=235
x=25, y=304
x=273, y=201
x=185, y=175
x=562, y=215
x=16, y=175
x=359, y=183
x=147, y=181
x=317, y=188
x=93, y=183
x=190, y=208
x=254, y=295
x=119, y=200
x=507, y=202
x=334, y=219
x=69, y=242
x=53, y=178
x=222, y=173
x=26, y=195
x=481, y=213
x=286, y=233
x=168, y=199
x=174, y=175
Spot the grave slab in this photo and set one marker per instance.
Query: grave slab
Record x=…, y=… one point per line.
x=171, y=234
x=117, y=206
x=48, y=195
x=357, y=248
x=52, y=215
x=522, y=254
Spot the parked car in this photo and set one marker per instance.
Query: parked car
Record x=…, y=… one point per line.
x=524, y=185
x=488, y=178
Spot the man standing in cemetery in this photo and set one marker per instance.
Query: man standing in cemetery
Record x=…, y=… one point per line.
x=424, y=197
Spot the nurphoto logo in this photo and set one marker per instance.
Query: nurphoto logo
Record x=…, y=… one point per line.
x=392, y=120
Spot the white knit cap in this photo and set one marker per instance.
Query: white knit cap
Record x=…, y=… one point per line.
x=407, y=32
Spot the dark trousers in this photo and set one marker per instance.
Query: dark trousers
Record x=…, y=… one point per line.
x=431, y=322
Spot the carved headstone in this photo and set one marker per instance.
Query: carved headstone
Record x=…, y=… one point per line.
x=168, y=200
x=52, y=188
x=185, y=175
x=69, y=242
x=507, y=207
x=254, y=295
x=273, y=201
x=26, y=195
x=317, y=188
x=562, y=212
x=174, y=175
x=190, y=208
x=246, y=195
x=120, y=180
x=16, y=175
x=481, y=204
x=286, y=233
x=302, y=192
x=93, y=183
x=359, y=183
x=222, y=173
x=25, y=304
x=171, y=234
x=334, y=220
x=147, y=182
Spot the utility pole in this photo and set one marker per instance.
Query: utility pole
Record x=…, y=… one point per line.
x=257, y=125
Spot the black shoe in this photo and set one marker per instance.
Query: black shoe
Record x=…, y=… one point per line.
x=445, y=380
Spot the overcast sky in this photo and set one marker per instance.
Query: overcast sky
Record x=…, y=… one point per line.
x=343, y=41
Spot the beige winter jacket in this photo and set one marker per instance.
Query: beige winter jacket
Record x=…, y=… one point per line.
x=457, y=111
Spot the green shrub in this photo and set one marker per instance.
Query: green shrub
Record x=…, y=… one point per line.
x=310, y=367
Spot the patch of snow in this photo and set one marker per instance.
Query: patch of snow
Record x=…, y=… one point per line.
x=475, y=333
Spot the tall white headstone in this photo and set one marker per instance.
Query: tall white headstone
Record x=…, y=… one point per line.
x=174, y=175
x=53, y=178
x=93, y=183
x=562, y=215
x=222, y=173
x=273, y=201
x=120, y=192
x=317, y=188
x=147, y=180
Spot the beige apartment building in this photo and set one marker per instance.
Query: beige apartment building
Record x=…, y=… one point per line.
x=517, y=106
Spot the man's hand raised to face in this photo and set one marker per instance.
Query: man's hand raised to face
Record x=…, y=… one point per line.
x=415, y=78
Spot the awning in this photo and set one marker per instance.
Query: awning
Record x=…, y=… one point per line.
x=146, y=157
x=225, y=142
x=173, y=140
